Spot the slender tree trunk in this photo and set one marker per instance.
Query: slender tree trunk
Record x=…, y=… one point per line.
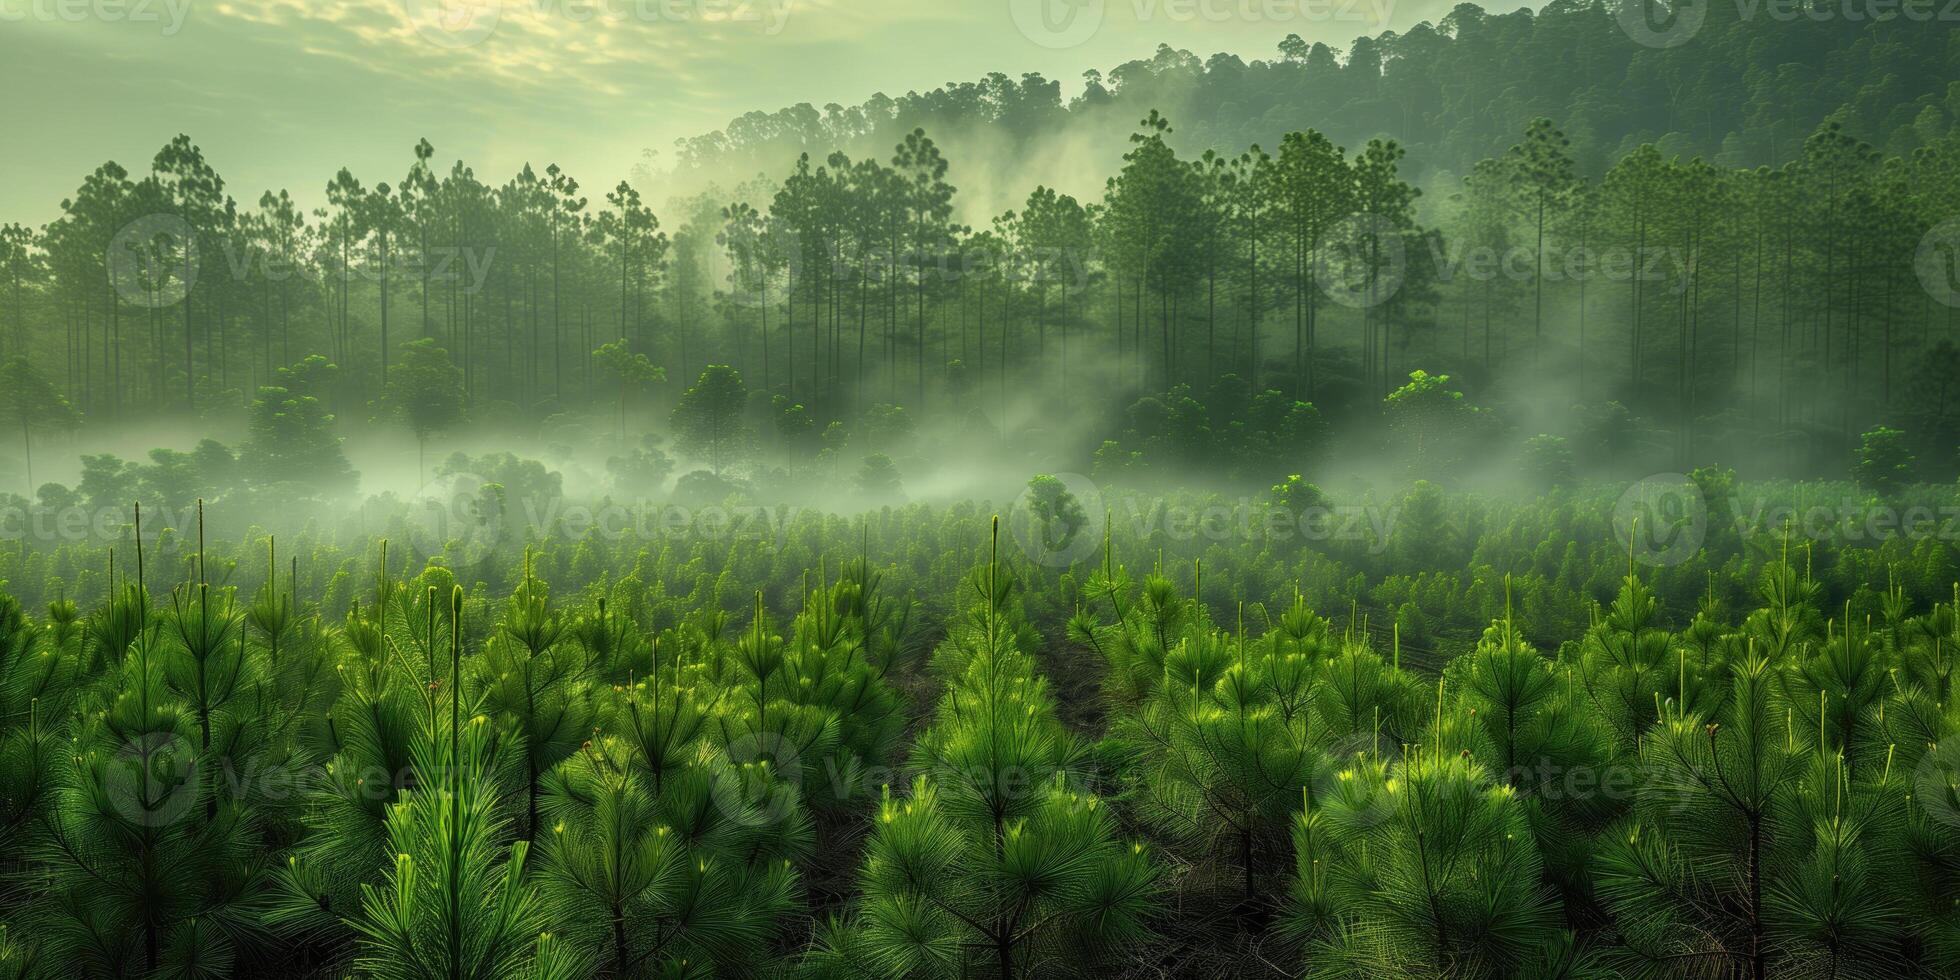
x=1757, y=954
x=384, y=311
x=190, y=374
x=1245, y=857
x=1639, y=267
x=557, y=324
x=1538, y=288
x=620, y=957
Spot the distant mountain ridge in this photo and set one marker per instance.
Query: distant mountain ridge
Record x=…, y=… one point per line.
x=1742, y=84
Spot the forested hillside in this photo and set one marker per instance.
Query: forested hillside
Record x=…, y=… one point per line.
x=1743, y=88
x=1674, y=239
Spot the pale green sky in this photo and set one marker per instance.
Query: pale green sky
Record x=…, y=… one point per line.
x=281, y=93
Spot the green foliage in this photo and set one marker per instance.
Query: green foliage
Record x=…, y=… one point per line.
x=640, y=470
x=1234, y=298
x=708, y=421
x=1548, y=461
x=669, y=752
x=107, y=481
x=995, y=857
x=630, y=369
x=1626, y=663
x=886, y=429
x=1170, y=434
x=425, y=391
x=1297, y=495
x=31, y=406
x=631, y=871
x=1179, y=286
x=521, y=479
x=836, y=674
x=457, y=901
x=149, y=861
x=1434, y=428
x=536, y=683
x=1055, y=511
x=1222, y=727
x=1734, y=821
x=1884, y=462
x=291, y=444
x=1423, y=867
x=1931, y=412
x=877, y=480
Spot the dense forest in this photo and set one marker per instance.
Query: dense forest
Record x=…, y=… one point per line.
x=1478, y=503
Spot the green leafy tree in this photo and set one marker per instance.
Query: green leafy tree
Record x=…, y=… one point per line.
x=1055, y=511
x=17, y=269
x=1222, y=725
x=1423, y=867
x=30, y=405
x=457, y=900
x=1548, y=461
x=877, y=480
x=1312, y=191
x=1743, y=855
x=1542, y=179
x=426, y=394
x=169, y=481
x=1379, y=255
x=709, y=421
x=1433, y=426
x=1884, y=462
x=632, y=371
x=1296, y=495
x=291, y=440
x=214, y=468
x=920, y=170
x=993, y=859
x=148, y=861
x=1931, y=408
x=108, y=482
x=665, y=882
x=1055, y=230
x=1146, y=208
x=1626, y=664
x=1534, y=732
x=536, y=683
